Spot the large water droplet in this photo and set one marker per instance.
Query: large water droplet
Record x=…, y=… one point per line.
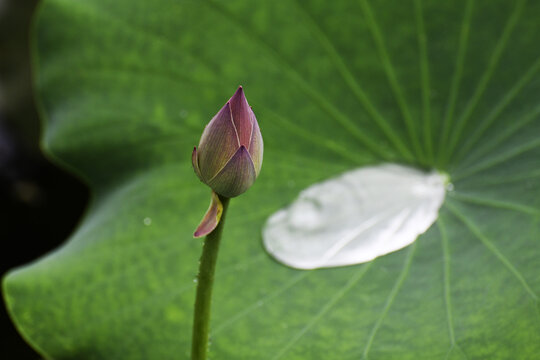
x=356, y=217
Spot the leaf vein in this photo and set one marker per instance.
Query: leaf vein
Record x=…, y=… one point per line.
x=486, y=165
x=456, y=78
x=424, y=77
x=507, y=133
x=491, y=247
x=339, y=63
x=324, y=310
x=446, y=269
x=499, y=108
x=294, y=75
x=225, y=324
x=391, y=75
x=497, y=204
x=390, y=300
x=486, y=77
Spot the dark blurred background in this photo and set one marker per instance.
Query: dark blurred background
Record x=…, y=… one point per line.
x=39, y=204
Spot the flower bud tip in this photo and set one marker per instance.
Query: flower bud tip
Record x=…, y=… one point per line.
x=229, y=156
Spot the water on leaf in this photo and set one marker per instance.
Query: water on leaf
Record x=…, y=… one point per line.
x=356, y=217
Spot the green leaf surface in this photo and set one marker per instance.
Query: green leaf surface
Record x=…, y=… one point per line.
x=127, y=87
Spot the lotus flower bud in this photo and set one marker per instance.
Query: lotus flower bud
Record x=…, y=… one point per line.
x=230, y=152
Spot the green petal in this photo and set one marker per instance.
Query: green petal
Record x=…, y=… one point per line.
x=242, y=116
x=256, y=146
x=236, y=177
x=218, y=144
x=195, y=163
x=211, y=218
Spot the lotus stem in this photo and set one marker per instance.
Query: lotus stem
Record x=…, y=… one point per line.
x=205, y=281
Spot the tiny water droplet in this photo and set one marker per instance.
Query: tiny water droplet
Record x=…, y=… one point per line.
x=195, y=280
x=449, y=187
x=147, y=221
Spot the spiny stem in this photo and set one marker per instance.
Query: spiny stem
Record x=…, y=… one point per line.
x=203, y=300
